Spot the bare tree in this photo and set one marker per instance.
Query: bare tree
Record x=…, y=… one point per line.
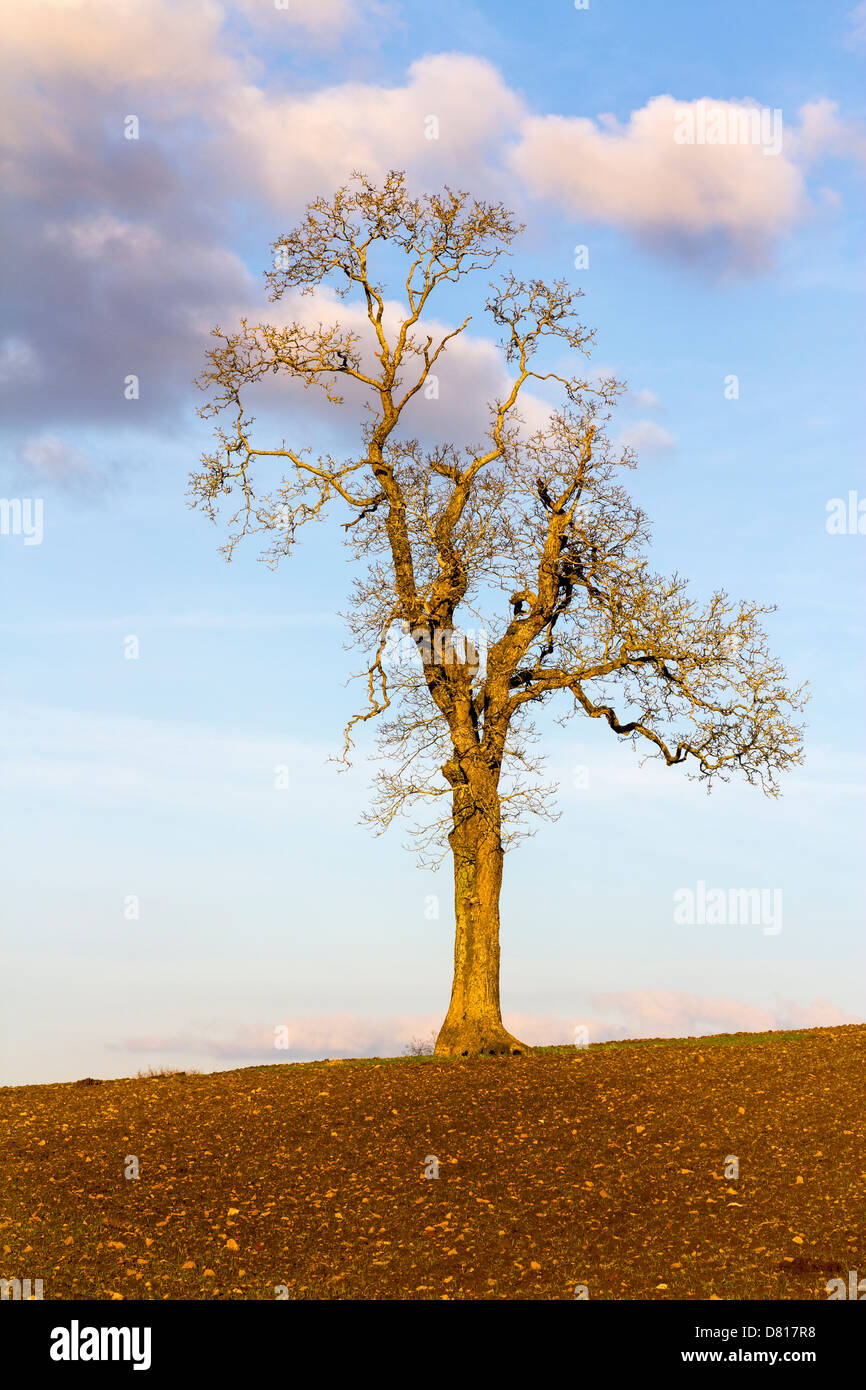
x=527, y=538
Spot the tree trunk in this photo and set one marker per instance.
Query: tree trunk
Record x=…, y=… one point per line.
x=474, y=1023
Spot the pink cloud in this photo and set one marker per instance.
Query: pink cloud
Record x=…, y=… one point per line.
x=114, y=230
x=660, y=1013
x=331, y=1035
x=733, y=198
x=613, y=1015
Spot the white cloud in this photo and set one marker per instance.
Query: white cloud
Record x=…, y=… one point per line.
x=822, y=133
x=47, y=459
x=159, y=41
x=471, y=372
x=645, y=398
x=636, y=176
x=448, y=118
x=646, y=437
x=118, y=232
x=322, y=20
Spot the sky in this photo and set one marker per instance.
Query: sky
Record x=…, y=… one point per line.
x=165, y=901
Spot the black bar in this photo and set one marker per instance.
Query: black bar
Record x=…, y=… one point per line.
x=227, y=1338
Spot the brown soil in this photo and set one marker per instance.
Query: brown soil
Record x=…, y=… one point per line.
x=601, y=1167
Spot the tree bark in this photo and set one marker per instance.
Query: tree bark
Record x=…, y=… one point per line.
x=473, y=1023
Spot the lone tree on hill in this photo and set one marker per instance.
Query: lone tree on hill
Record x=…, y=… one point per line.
x=515, y=570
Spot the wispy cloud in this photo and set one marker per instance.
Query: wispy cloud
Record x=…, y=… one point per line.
x=126, y=761
x=677, y=1014
x=45, y=460
x=646, y=399
x=856, y=37
x=148, y=622
x=611, y=1016
x=647, y=437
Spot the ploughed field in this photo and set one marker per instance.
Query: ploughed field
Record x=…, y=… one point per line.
x=600, y=1169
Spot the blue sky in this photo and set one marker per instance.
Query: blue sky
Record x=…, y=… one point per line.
x=153, y=778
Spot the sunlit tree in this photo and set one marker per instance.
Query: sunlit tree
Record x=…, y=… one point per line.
x=515, y=570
